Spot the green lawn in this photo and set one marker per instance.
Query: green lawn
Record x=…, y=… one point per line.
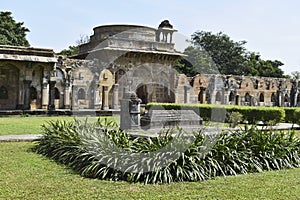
x=32, y=125
x=26, y=175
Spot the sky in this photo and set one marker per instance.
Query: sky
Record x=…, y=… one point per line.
x=270, y=27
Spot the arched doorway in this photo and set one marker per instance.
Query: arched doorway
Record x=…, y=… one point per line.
x=33, y=98
x=155, y=93
x=231, y=97
x=9, y=83
x=200, y=96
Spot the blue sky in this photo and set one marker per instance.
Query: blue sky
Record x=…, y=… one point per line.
x=270, y=27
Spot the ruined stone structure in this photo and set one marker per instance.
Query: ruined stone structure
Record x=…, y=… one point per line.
x=120, y=59
x=243, y=90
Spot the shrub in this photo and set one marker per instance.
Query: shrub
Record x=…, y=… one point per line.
x=235, y=118
x=97, y=150
x=209, y=112
x=292, y=115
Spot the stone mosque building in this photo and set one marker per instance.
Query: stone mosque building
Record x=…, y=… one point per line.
x=119, y=58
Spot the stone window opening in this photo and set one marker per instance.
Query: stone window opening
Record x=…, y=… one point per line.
x=56, y=93
x=247, y=97
x=207, y=97
x=218, y=96
x=81, y=93
x=286, y=98
x=3, y=93
x=231, y=97
x=273, y=98
x=33, y=93
x=261, y=97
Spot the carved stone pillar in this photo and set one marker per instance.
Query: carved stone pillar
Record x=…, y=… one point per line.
x=105, y=98
x=130, y=112
x=97, y=97
x=74, y=97
x=26, y=105
x=115, y=97
x=187, y=94
x=225, y=97
x=280, y=98
x=45, y=94
x=51, y=105
x=67, y=96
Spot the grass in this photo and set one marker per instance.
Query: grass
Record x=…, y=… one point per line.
x=18, y=125
x=26, y=175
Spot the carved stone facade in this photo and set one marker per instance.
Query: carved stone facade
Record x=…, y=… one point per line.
x=122, y=58
x=243, y=90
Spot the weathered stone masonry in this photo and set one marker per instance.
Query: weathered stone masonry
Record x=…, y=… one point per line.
x=120, y=58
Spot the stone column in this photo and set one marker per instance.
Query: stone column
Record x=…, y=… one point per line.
x=45, y=94
x=97, y=104
x=51, y=105
x=115, y=97
x=187, y=94
x=279, y=98
x=26, y=105
x=67, y=96
x=74, y=105
x=225, y=97
x=153, y=95
x=105, y=98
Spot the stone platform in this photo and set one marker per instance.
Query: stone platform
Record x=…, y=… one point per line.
x=156, y=119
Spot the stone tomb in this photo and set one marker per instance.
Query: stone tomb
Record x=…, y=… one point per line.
x=156, y=119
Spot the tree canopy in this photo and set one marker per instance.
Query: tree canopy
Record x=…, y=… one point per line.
x=217, y=53
x=12, y=32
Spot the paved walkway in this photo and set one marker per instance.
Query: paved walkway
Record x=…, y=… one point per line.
x=28, y=138
x=19, y=138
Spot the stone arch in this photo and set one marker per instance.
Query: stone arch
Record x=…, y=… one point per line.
x=11, y=89
x=118, y=74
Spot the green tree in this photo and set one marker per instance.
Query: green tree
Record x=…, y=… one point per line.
x=70, y=51
x=196, y=61
x=296, y=75
x=226, y=54
x=73, y=49
x=12, y=32
x=230, y=57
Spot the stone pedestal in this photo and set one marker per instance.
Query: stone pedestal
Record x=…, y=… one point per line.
x=130, y=112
